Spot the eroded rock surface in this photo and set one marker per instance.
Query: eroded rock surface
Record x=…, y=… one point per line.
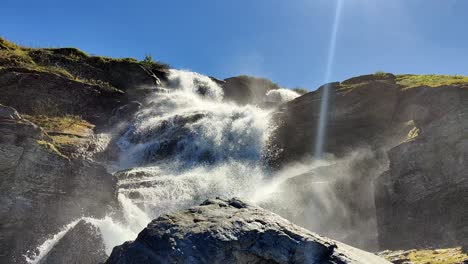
x=42, y=190
x=419, y=132
x=422, y=199
x=232, y=231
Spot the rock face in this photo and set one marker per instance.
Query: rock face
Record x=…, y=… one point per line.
x=420, y=132
x=335, y=200
x=357, y=118
x=232, y=231
x=42, y=190
x=82, y=244
x=246, y=89
x=422, y=199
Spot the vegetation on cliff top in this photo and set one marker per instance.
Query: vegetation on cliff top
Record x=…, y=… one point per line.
x=408, y=81
x=426, y=256
x=65, y=62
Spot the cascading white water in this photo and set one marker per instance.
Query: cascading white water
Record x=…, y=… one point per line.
x=188, y=145
x=185, y=145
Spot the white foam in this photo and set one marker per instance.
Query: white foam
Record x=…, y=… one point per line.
x=279, y=96
x=47, y=245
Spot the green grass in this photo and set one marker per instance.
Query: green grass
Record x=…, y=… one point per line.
x=68, y=124
x=427, y=256
x=17, y=57
x=62, y=61
x=408, y=81
x=64, y=131
x=50, y=147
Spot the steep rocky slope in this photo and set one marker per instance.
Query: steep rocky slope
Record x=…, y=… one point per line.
x=422, y=199
x=247, y=89
x=48, y=173
x=232, y=231
x=420, y=121
x=41, y=189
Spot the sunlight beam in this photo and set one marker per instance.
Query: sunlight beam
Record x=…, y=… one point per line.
x=322, y=123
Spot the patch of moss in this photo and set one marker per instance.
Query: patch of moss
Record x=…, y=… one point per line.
x=408, y=81
x=413, y=133
x=69, y=124
x=5, y=44
x=17, y=57
x=50, y=147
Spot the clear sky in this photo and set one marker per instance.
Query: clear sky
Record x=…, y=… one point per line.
x=284, y=40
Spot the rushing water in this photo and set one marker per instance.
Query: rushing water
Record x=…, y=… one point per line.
x=185, y=145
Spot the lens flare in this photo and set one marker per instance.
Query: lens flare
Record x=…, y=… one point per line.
x=322, y=123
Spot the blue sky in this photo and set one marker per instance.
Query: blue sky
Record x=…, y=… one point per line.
x=286, y=41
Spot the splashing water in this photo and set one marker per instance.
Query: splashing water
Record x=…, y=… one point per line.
x=188, y=145
x=45, y=247
x=184, y=146
x=322, y=123
x=279, y=96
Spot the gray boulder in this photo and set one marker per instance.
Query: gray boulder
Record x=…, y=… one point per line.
x=232, y=231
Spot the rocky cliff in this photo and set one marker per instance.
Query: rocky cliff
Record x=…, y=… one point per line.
x=41, y=189
x=397, y=151
x=415, y=127
x=232, y=231
x=48, y=173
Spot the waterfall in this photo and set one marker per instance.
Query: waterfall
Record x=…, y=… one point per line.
x=186, y=144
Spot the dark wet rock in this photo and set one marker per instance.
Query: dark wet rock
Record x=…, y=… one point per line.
x=232, y=231
x=83, y=244
x=125, y=113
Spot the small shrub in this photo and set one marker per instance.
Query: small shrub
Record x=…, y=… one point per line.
x=381, y=74
x=149, y=63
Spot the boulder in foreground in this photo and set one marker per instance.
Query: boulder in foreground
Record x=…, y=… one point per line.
x=232, y=231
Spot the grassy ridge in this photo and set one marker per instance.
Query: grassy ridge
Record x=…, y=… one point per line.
x=65, y=62
x=408, y=81
x=426, y=256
